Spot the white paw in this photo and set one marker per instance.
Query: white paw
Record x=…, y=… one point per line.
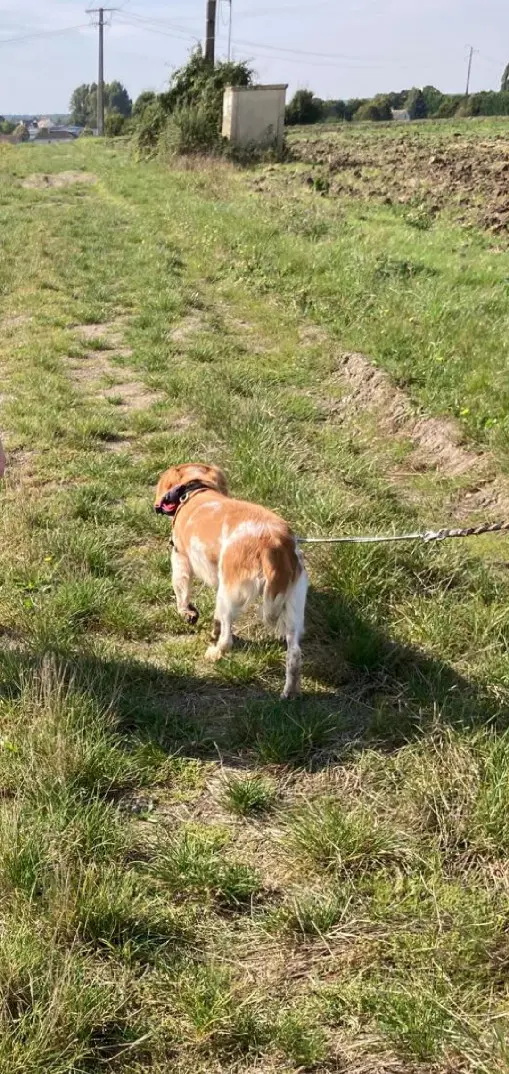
x=213, y=653
x=290, y=692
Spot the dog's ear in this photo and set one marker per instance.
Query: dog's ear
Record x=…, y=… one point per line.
x=201, y=471
x=217, y=478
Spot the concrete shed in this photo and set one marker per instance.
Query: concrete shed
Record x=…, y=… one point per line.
x=254, y=115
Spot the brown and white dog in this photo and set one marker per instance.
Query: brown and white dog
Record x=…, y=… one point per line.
x=243, y=550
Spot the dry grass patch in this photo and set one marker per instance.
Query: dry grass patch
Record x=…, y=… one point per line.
x=43, y=181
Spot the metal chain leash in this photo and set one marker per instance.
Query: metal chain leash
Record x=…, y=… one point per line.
x=424, y=535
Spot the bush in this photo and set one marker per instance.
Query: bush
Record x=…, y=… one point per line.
x=21, y=133
x=87, y=132
x=114, y=124
x=188, y=117
x=449, y=105
x=141, y=102
x=486, y=103
x=304, y=107
x=149, y=127
x=6, y=127
x=375, y=111
x=190, y=129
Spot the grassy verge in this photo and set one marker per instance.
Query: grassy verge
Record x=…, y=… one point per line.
x=194, y=875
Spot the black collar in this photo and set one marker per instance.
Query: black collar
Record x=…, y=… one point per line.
x=176, y=496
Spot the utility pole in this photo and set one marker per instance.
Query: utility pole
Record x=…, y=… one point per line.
x=230, y=34
x=471, y=53
x=100, y=80
x=210, y=31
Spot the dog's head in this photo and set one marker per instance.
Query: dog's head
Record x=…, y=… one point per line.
x=185, y=474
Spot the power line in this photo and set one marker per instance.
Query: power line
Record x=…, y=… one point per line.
x=157, y=22
x=175, y=35
x=42, y=33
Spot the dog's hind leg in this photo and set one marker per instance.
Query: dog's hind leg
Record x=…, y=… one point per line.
x=226, y=611
x=293, y=615
x=181, y=572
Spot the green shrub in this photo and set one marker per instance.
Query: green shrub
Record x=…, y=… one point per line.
x=187, y=117
x=375, y=111
x=114, y=124
x=190, y=129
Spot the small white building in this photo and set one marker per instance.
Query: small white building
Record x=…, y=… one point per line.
x=254, y=115
x=400, y=115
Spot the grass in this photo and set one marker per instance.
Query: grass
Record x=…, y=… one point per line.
x=339, y=898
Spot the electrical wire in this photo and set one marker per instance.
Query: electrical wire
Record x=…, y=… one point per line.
x=43, y=33
x=281, y=50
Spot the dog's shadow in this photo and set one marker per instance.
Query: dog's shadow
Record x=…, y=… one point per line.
x=362, y=687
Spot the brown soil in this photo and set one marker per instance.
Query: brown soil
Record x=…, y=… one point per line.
x=109, y=332
x=98, y=366
x=187, y=327
x=437, y=442
x=133, y=395
x=40, y=181
x=471, y=175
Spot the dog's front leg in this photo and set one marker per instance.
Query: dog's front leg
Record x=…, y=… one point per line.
x=181, y=578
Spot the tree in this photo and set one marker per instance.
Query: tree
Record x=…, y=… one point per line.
x=141, y=102
x=333, y=109
x=504, y=86
x=304, y=107
x=6, y=127
x=84, y=102
x=80, y=105
x=352, y=106
x=433, y=98
x=415, y=104
x=117, y=99
x=397, y=100
x=383, y=104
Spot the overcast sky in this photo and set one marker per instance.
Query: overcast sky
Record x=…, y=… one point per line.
x=338, y=48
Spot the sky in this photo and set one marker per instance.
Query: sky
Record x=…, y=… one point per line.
x=337, y=48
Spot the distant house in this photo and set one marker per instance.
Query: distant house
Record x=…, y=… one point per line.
x=52, y=134
x=400, y=115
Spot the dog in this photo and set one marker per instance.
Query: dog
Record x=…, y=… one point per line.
x=241, y=549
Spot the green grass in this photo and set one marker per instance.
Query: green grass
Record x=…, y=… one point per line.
x=338, y=899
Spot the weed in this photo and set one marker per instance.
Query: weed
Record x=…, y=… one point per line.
x=249, y=794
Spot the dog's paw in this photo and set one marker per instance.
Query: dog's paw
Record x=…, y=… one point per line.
x=289, y=694
x=191, y=614
x=213, y=653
